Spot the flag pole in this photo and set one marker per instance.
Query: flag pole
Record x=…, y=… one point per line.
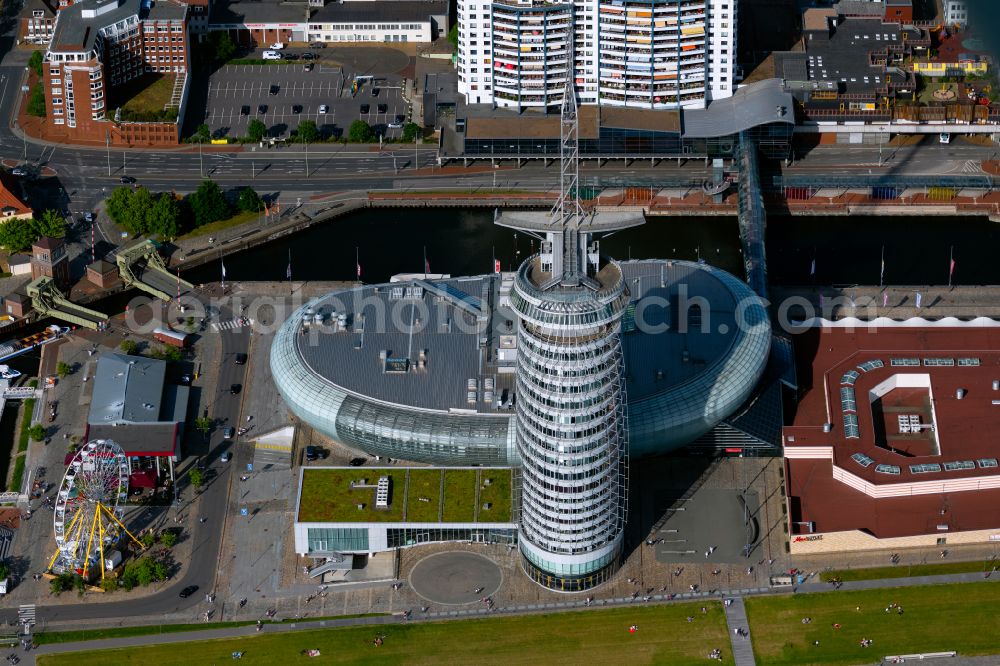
x=357, y=263
x=951, y=263
x=881, y=275
x=425, y=262
x=290, y=289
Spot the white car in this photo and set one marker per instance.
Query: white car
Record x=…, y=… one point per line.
x=945, y=137
x=323, y=108
x=277, y=46
x=271, y=55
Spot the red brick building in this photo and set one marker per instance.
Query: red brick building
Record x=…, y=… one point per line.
x=898, y=11
x=38, y=19
x=49, y=259
x=98, y=46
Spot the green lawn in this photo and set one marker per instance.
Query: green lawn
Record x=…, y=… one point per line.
x=459, y=496
x=964, y=617
x=216, y=227
x=906, y=571
x=497, y=494
x=144, y=97
x=584, y=637
x=424, y=483
x=327, y=496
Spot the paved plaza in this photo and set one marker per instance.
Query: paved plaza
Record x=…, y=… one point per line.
x=455, y=578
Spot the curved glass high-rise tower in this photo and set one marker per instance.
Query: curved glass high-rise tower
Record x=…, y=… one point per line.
x=570, y=423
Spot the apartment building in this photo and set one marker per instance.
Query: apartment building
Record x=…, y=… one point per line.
x=657, y=54
x=98, y=45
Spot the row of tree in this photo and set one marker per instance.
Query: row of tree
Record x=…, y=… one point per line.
x=308, y=132
x=18, y=235
x=140, y=212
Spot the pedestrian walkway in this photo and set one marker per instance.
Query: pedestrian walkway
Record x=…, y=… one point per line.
x=739, y=631
x=26, y=614
x=975, y=577
x=233, y=324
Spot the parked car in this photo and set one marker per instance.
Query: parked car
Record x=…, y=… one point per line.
x=228, y=433
x=188, y=591
x=365, y=108
x=291, y=56
x=310, y=56
x=308, y=67
x=296, y=108
x=315, y=453
x=245, y=110
x=241, y=359
x=126, y=180
x=357, y=462
x=383, y=108
x=323, y=108
x=395, y=125
x=273, y=90
x=262, y=109
x=375, y=92
x=226, y=457
x=20, y=171
x=277, y=46
x=317, y=45
x=271, y=55
x=235, y=389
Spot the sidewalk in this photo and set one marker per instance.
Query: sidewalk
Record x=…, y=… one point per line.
x=739, y=632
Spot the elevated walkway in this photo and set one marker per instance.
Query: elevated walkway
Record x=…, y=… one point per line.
x=752, y=217
x=48, y=300
x=140, y=266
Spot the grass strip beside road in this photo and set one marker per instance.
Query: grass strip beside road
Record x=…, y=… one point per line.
x=935, y=618
x=593, y=637
x=53, y=637
x=908, y=571
x=216, y=227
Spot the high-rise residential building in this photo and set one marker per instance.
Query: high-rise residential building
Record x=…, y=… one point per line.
x=645, y=54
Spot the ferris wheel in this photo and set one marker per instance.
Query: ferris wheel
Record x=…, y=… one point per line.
x=88, y=508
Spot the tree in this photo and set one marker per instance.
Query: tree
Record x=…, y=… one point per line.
x=148, y=539
x=203, y=133
x=35, y=62
x=51, y=223
x=208, y=204
x=172, y=354
x=129, y=208
x=411, y=131
x=17, y=235
x=36, y=102
x=249, y=200
x=256, y=130
x=169, y=537
x=129, y=347
x=308, y=132
x=196, y=478
x=163, y=217
x=36, y=432
x=63, y=582
x=4, y=570
x=453, y=36
x=360, y=132
x=109, y=584
x=203, y=424
x=222, y=46
x=62, y=369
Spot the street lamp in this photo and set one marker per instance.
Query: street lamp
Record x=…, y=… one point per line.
x=107, y=143
x=201, y=160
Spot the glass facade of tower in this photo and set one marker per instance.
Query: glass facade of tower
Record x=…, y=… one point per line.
x=571, y=428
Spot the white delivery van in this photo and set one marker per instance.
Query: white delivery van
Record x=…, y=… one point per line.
x=271, y=55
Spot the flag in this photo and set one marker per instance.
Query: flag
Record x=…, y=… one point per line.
x=812, y=268
x=951, y=269
x=223, y=270
x=885, y=299
x=427, y=266
x=288, y=271
x=358, y=266
x=881, y=277
x=496, y=265
x=919, y=298
x=821, y=301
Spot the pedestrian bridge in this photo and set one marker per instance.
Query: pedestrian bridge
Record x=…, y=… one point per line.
x=141, y=266
x=47, y=300
x=752, y=217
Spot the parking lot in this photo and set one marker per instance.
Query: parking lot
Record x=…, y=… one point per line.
x=283, y=95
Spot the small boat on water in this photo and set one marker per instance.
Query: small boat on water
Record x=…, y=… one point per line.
x=13, y=348
x=7, y=372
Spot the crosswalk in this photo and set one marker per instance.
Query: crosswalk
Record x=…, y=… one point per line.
x=972, y=166
x=26, y=614
x=232, y=325
x=6, y=539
